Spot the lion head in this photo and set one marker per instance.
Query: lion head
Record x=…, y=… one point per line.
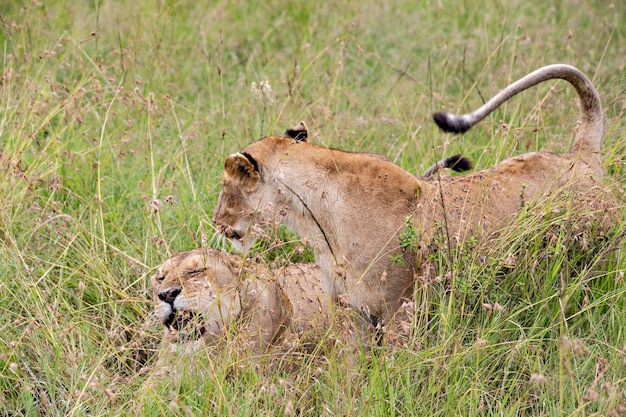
x=195, y=293
x=243, y=182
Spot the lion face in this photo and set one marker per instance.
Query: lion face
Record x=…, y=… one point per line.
x=247, y=201
x=234, y=213
x=195, y=293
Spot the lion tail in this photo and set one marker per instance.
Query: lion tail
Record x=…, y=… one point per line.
x=589, y=134
x=457, y=163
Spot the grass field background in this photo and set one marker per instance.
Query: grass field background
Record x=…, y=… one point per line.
x=115, y=120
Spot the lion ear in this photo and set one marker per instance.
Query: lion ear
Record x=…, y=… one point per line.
x=300, y=132
x=244, y=170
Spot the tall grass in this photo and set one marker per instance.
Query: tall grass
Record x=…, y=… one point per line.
x=115, y=120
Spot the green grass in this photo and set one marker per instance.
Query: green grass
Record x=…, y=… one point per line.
x=108, y=106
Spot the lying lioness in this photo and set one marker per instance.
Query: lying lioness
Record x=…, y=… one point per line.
x=354, y=207
x=202, y=293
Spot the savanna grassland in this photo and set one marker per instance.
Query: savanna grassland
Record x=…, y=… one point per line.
x=116, y=118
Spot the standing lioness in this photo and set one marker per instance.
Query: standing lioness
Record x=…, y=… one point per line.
x=352, y=207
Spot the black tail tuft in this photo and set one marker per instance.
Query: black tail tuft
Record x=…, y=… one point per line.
x=458, y=163
x=451, y=123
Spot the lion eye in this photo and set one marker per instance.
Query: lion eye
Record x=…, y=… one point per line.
x=160, y=278
x=195, y=271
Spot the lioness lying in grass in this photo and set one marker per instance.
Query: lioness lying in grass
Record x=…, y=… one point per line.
x=204, y=293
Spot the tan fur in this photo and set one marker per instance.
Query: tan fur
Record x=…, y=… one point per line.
x=352, y=207
x=265, y=306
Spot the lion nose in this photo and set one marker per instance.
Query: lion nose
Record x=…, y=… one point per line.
x=169, y=295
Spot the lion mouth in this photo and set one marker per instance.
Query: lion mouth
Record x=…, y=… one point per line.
x=187, y=325
x=231, y=233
